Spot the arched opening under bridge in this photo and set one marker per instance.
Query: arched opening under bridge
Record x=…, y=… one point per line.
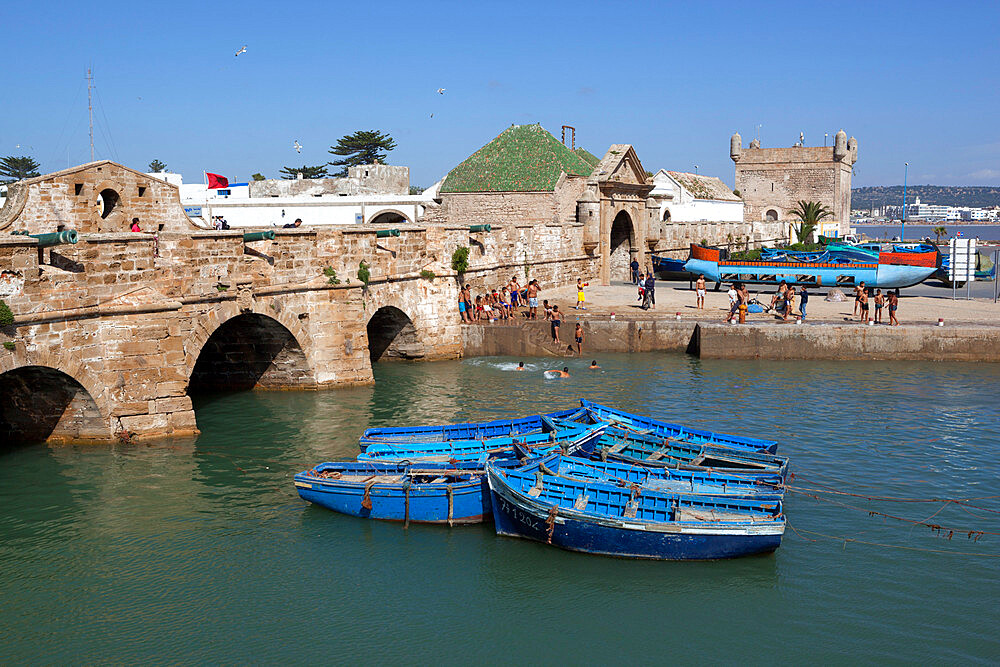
x=250, y=351
x=39, y=404
x=392, y=336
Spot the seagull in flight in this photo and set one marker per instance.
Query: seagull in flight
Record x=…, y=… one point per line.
x=297, y=146
x=242, y=50
x=441, y=91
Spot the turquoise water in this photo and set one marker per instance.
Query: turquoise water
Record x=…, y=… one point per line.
x=200, y=550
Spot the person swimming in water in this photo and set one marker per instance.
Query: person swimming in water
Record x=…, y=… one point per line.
x=520, y=366
x=593, y=364
x=564, y=373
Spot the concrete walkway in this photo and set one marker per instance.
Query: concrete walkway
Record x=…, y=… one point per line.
x=676, y=297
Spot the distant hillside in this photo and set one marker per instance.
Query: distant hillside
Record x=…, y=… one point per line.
x=977, y=196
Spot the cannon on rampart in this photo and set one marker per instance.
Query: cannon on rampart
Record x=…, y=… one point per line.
x=259, y=236
x=52, y=238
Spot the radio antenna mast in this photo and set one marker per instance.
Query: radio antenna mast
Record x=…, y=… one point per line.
x=90, y=112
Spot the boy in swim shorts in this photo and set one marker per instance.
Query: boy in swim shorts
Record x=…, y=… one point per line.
x=578, y=334
x=580, y=297
x=699, y=288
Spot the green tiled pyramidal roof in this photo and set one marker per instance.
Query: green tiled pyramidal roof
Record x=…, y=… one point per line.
x=588, y=157
x=523, y=158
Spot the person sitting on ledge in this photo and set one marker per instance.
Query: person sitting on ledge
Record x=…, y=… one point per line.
x=297, y=223
x=135, y=225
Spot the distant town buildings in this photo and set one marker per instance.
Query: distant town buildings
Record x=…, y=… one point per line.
x=919, y=210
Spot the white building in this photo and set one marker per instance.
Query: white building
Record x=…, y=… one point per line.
x=376, y=194
x=685, y=197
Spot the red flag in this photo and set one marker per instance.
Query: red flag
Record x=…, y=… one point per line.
x=216, y=181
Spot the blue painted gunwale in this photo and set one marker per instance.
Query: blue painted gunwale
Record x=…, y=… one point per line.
x=694, y=482
x=663, y=429
x=601, y=528
x=428, y=500
x=583, y=438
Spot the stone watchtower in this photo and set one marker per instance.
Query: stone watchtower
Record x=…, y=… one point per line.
x=772, y=180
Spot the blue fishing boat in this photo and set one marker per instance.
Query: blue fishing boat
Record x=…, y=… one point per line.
x=467, y=431
x=570, y=437
x=886, y=270
x=600, y=517
x=452, y=493
x=636, y=448
x=650, y=426
x=692, y=482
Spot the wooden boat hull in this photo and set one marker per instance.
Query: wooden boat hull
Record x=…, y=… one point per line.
x=517, y=514
x=652, y=450
x=463, y=431
x=583, y=440
x=461, y=502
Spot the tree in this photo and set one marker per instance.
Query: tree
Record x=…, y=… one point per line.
x=416, y=190
x=258, y=177
x=362, y=147
x=809, y=214
x=156, y=167
x=16, y=168
x=939, y=232
x=291, y=173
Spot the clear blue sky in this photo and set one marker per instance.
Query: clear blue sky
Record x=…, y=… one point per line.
x=913, y=81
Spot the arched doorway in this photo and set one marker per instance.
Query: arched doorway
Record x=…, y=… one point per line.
x=622, y=246
x=39, y=404
x=389, y=218
x=666, y=215
x=250, y=351
x=392, y=336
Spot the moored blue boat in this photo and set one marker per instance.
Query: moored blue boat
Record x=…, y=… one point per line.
x=652, y=450
x=650, y=426
x=694, y=482
x=601, y=517
x=420, y=492
x=467, y=431
x=570, y=437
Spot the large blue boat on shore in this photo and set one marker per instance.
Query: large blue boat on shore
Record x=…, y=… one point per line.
x=885, y=269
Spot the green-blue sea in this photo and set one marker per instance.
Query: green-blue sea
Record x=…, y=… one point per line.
x=199, y=550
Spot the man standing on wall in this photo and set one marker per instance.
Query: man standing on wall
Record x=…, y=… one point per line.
x=635, y=272
x=532, y=292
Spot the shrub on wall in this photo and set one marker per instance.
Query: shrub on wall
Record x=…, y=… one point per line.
x=460, y=259
x=6, y=316
x=427, y=274
x=364, y=273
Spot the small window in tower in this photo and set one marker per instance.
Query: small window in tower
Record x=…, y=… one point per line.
x=772, y=187
x=142, y=190
x=366, y=173
x=77, y=188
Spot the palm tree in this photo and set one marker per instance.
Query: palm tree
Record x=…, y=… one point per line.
x=809, y=213
x=939, y=232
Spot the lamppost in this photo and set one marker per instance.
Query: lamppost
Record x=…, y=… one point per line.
x=696, y=169
x=825, y=137
x=902, y=227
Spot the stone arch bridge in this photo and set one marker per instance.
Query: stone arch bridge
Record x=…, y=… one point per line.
x=113, y=333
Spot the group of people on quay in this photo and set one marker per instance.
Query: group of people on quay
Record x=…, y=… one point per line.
x=783, y=302
x=507, y=302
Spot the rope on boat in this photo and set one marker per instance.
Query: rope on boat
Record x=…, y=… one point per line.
x=451, y=504
x=550, y=522
x=406, y=504
x=366, y=499
x=892, y=499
